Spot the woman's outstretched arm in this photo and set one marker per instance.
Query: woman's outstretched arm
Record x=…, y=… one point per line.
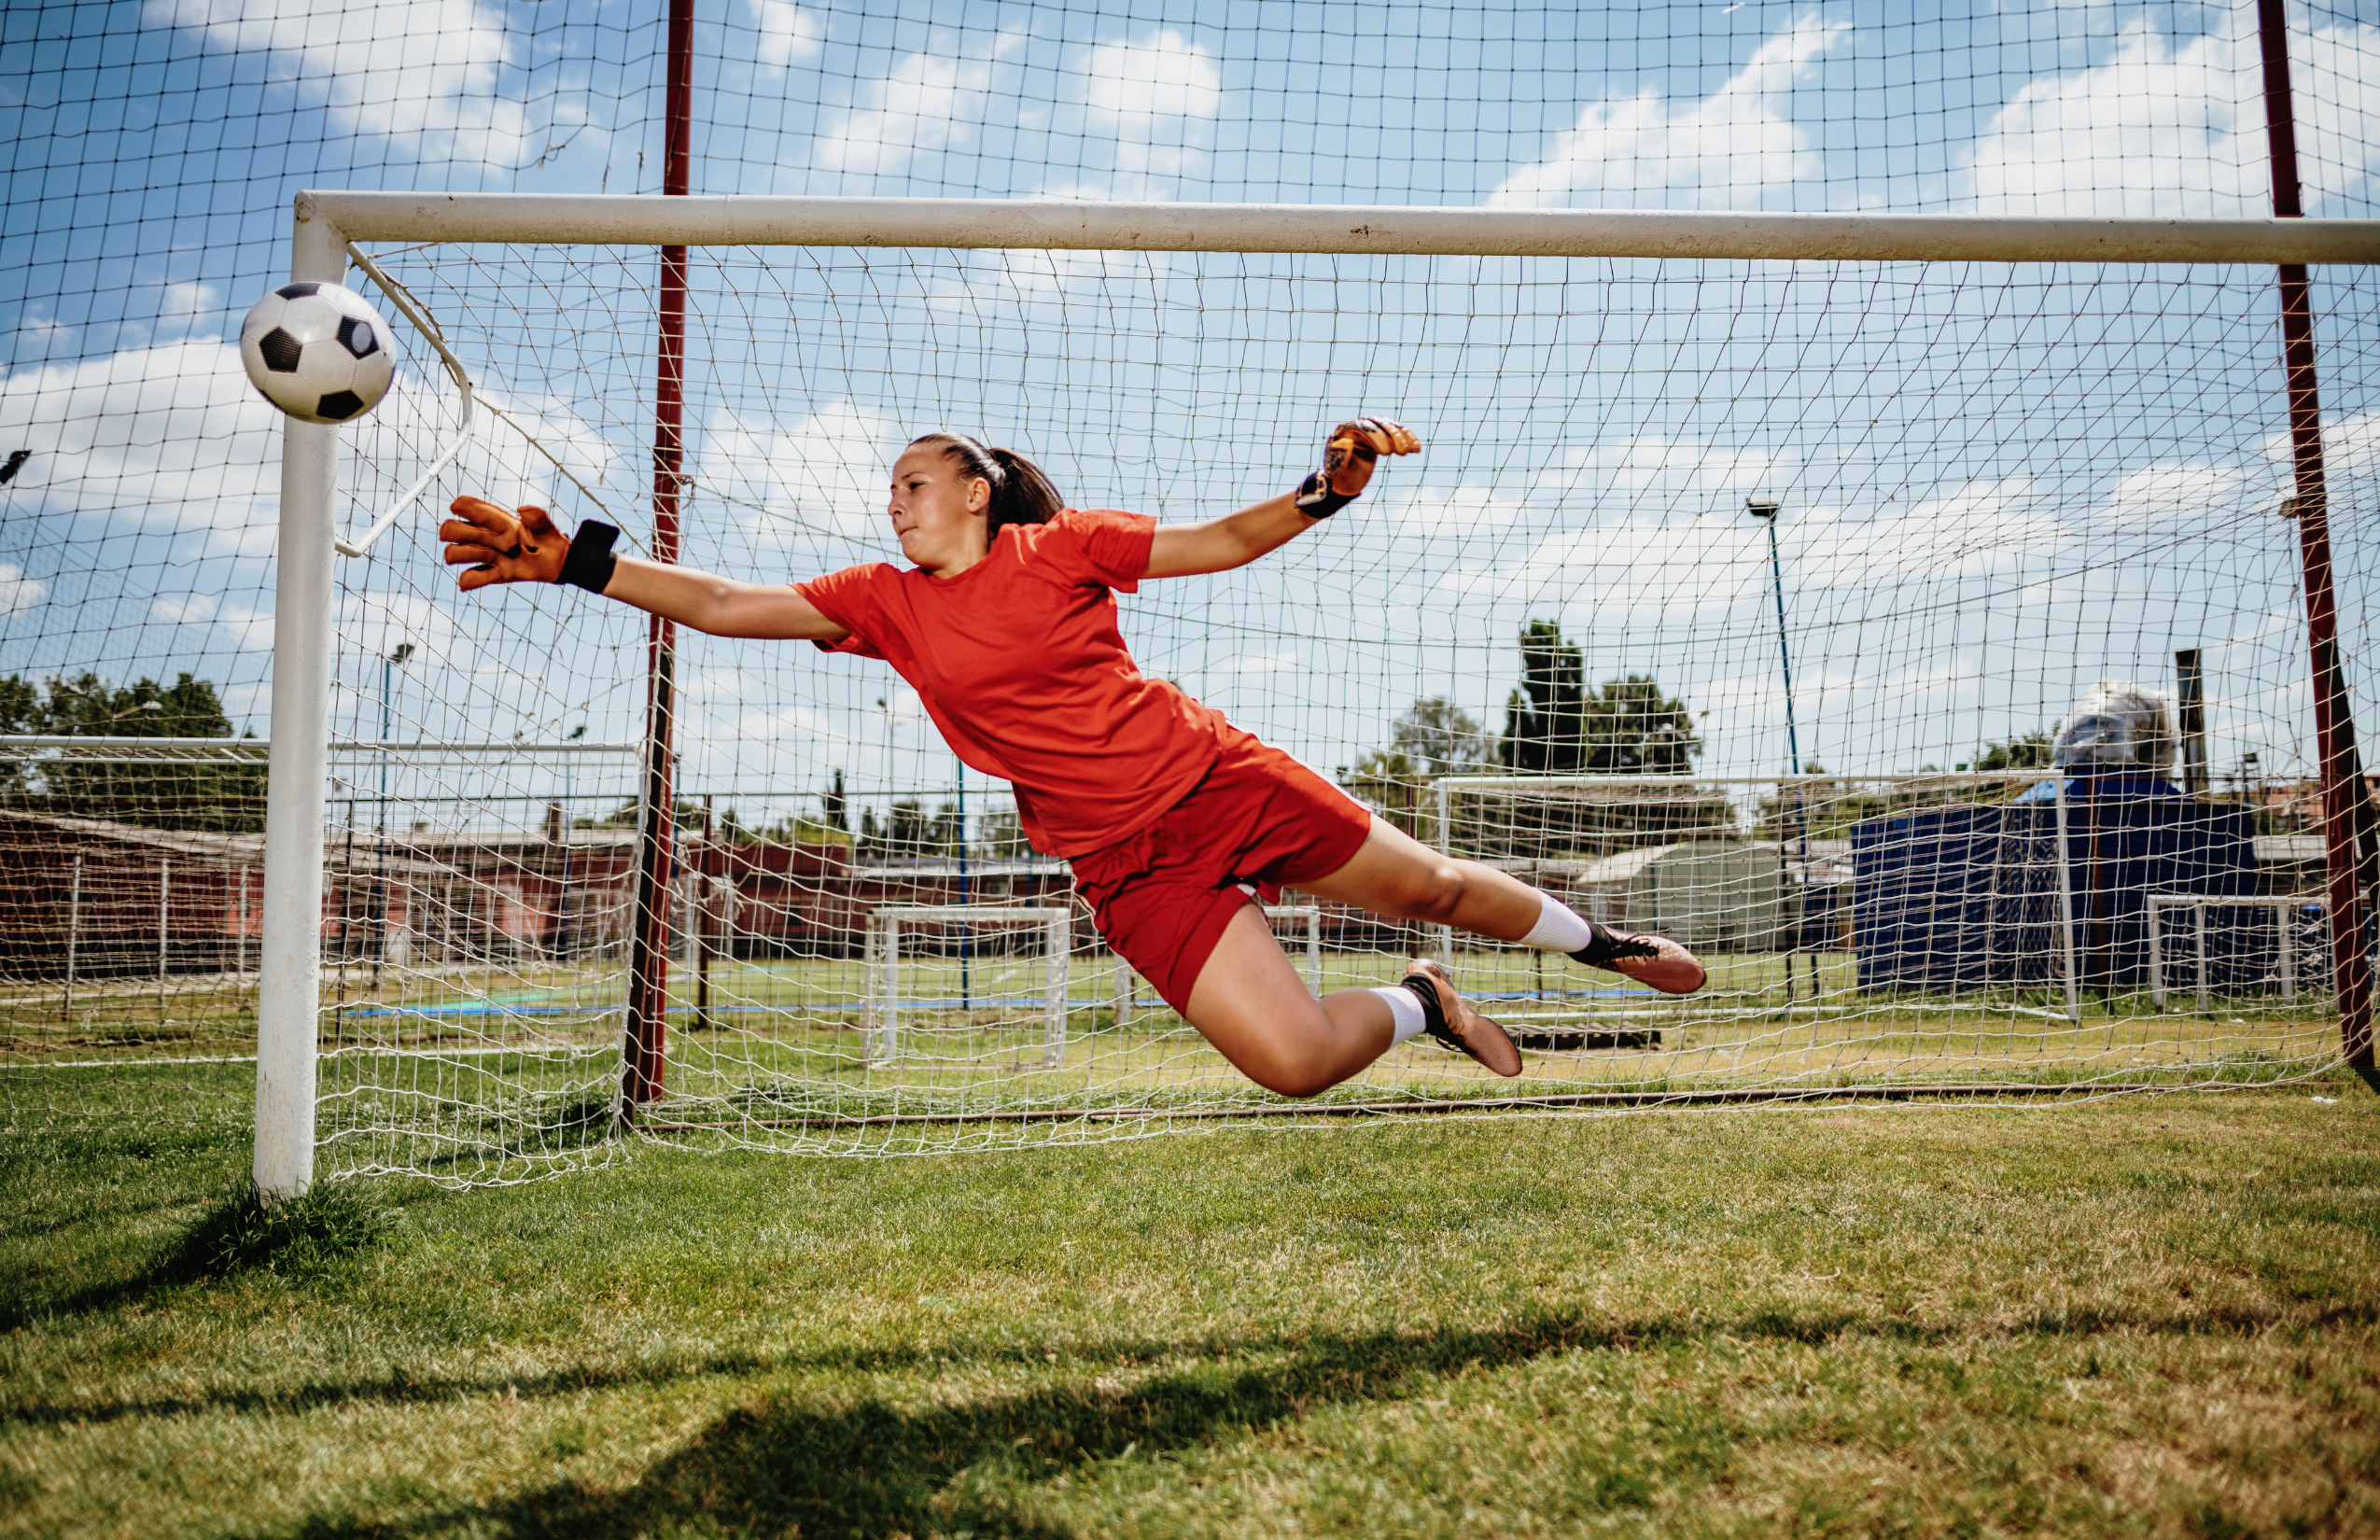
x=1218, y=545
x=495, y=545
x=1237, y=538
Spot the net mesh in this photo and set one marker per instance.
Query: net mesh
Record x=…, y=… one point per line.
x=1998, y=486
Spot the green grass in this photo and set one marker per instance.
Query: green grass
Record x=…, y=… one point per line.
x=2154, y=1316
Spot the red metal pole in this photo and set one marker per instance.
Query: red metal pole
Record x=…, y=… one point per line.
x=649, y=947
x=2346, y=809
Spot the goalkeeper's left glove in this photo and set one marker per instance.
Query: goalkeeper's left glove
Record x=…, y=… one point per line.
x=1348, y=459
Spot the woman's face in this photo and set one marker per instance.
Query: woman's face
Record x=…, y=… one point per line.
x=938, y=510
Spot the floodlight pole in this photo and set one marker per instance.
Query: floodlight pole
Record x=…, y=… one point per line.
x=1766, y=510
x=2347, y=813
x=646, y=1048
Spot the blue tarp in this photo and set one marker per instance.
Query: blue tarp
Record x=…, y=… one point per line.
x=1965, y=896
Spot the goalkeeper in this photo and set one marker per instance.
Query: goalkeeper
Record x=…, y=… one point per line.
x=1177, y=823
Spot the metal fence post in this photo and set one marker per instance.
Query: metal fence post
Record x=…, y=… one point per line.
x=74, y=932
x=2066, y=908
x=165, y=928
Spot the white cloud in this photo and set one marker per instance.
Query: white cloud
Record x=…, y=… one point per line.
x=1732, y=150
x=184, y=608
x=828, y=473
x=997, y=289
x=927, y=102
x=2161, y=496
x=1978, y=530
x=2156, y=130
x=1150, y=111
x=1651, y=467
x=785, y=35
x=430, y=71
x=1645, y=568
x=501, y=456
x=1457, y=510
x=247, y=629
x=17, y=590
x=1633, y=569
x=2349, y=448
x=167, y=437
x=364, y=624
x=1164, y=76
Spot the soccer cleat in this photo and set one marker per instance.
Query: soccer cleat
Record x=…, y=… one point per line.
x=1456, y=1024
x=1651, y=959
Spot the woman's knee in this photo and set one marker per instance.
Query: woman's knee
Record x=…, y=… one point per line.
x=1435, y=890
x=1295, y=1078
x=1290, y=1057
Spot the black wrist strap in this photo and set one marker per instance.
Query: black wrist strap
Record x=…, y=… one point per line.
x=589, y=561
x=1315, y=498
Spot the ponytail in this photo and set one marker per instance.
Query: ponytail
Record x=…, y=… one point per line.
x=1020, y=493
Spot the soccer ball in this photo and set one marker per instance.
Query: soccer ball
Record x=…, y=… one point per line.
x=319, y=352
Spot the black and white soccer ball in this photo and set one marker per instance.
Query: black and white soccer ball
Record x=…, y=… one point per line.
x=319, y=352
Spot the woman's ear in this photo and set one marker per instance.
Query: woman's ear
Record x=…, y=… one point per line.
x=978, y=494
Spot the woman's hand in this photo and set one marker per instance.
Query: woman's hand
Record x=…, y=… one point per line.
x=1355, y=447
x=1347, y=458
x=494, y=544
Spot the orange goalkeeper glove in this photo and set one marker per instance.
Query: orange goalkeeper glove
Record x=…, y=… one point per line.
x=497, y=545
x=1354, y=448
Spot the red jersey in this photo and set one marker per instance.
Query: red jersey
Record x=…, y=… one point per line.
x=1020, y=664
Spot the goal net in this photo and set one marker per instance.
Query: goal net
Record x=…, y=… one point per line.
x=1862, y=770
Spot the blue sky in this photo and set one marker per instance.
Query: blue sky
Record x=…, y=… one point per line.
x=2001, y=483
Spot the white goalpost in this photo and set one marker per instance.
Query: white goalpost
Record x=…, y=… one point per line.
x=1995, y=496
x=987, y=927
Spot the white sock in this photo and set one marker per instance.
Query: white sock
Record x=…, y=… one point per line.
x=1559, y=928
x=1407, y=1008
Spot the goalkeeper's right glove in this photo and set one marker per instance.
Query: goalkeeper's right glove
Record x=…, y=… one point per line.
x=502, y=545
x=1348, y=459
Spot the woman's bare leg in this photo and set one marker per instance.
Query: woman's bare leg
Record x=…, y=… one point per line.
x=1397, y=876
x=1252, y=1006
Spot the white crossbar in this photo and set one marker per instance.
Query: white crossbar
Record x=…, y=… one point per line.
x=628, y=220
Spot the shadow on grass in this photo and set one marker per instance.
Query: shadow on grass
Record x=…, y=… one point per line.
x=239, y=1234
x=786, y=1463
x=785, y=1466
x=1566, y=1330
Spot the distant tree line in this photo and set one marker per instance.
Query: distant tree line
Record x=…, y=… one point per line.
x=215, y=796
x=1553, y=726
x=906, y=832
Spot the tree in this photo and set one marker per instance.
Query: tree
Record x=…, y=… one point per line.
x=1000, y=835
x=222, y=795
x=1554, y=727
x=1632, y=728
x=910, y=833
x=1544, y=720
x=2030, y=751
x=1389, y=781
x=1439, y=738
x=838, y=814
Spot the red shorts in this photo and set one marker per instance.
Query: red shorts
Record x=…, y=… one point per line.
x=1258, y=822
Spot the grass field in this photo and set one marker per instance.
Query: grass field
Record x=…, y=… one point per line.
x=2151, y=1316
